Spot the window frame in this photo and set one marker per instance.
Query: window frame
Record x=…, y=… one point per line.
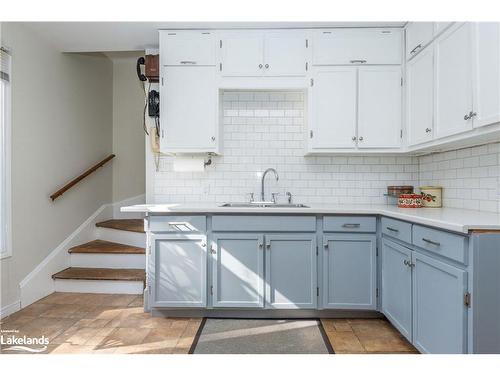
x=5, y=171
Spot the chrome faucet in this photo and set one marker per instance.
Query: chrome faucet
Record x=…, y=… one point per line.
x=262, y=197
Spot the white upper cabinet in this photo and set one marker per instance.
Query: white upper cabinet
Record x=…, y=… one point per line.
x=187, y=48
x=486, y=61
x=188, y=109
x=250, y=54
x=418, y=35
x=333, y=108
x=357, y=46
x=285, y=54
x=242, y=54
x=420, y=97
x=453, y=88
x=379, y=103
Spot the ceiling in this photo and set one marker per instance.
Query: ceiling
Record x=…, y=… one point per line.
x=137, y=36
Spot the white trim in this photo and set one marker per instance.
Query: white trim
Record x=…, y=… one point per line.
x=10, y=309
x=99, y=286
x=7, y=226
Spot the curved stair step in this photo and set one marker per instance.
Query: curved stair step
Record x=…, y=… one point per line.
x=130, y=225
x=106, y=247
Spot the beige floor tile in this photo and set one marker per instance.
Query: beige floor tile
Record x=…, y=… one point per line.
x=104, y=313
x=126, y=336
x=137, y=302
x=61, y=311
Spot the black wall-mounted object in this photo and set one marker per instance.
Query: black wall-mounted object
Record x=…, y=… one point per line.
x=154, y=103
x=140, y=61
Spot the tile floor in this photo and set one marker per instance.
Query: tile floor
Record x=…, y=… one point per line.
x=107, y=323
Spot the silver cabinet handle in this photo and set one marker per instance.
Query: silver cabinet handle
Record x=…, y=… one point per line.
x=472, y=114
x=188, y=62
x=213, y=139
x=261, y=246
x=358, y=61
x=212, y=250
x=268, y=246
x=392, y=229
x=267, y=66
x=416, y=48
x=408, y=263
x=354, y=138
x=360, y=138
x=466, y=117
x=351, y=225
x=325, y=245
x=431, y=242
x=260, y=66
x=428, y=130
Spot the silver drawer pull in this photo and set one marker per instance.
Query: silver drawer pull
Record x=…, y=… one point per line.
x=358, y=61
x=431, y=242
x=351, y=225
x=416, y=48
x=392, y=229
x=188, y=62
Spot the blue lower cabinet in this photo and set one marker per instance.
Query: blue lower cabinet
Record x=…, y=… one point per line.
x=396, y=286
x=291, y=271
x=179, y=265
x=439, y=312
x=238, y=270
x=350, y=271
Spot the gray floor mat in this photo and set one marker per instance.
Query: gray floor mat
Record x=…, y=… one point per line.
x=261, y=336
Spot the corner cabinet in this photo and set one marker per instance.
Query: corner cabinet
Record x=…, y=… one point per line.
x=178, y=270
x=350, y=271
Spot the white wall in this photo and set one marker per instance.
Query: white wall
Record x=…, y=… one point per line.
x=266, y=129
x=61, y=124
x=128, y=136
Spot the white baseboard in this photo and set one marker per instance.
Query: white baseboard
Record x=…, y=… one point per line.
x=117, y=214
x=99, y=286
x=10, y=309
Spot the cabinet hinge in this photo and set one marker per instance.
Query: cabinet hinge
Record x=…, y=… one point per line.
x=312, y=82
x=401, y=133
x=317, y=250
x=162, y=81
x=307, y=66
x=376, y=292
x=401, y=81
x=220, y=43
x=376, y=250
x=307, y=43
x=467, y=300
x=211, y=290
x=220, y=67
x=317, y=291
x=311, y=133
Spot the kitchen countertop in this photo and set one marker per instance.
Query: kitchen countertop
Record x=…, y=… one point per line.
x=453, y=219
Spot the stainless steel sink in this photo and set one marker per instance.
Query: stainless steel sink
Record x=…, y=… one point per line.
x=264, y=205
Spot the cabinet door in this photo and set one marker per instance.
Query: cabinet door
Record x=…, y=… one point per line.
x=396, y=286
x=291, y=271
x=379, y=107
x=486, y=61
x=179, y=271
x=242, y=54
x=333, y=106
x=285, y=54
x=453, y=81
x=357, y=46
x=350, y=271
x=187, y=48
x=188, y=109
x=418, y=35
x=238, y=270
x=420, y=98
x=439, y=313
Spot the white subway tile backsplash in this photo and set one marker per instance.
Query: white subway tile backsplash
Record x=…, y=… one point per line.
x=263, y=129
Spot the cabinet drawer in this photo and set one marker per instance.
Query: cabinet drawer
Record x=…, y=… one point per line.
x=446, y=244
x=264, y=223
x=177, y=224
x=187, y=48
x=357, y=46
x=397, y=229
x=349, y=224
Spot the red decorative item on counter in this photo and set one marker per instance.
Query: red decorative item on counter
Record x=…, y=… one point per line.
x=410, y=201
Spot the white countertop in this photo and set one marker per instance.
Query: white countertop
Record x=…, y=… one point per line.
x=452, y=219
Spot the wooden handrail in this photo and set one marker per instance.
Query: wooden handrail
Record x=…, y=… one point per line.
x=76, y=180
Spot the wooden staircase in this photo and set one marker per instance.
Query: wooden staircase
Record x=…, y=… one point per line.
x=114, y=263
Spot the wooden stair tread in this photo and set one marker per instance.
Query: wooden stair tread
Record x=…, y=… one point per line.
x=119, y=274
x=106, y=247
x=130, y=225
